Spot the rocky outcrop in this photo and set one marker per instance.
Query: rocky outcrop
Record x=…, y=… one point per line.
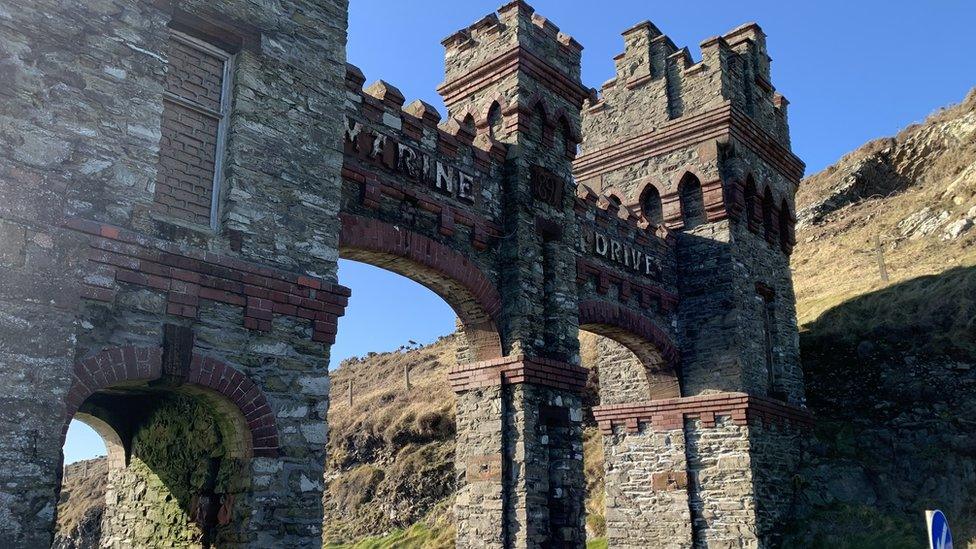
x=941, y=150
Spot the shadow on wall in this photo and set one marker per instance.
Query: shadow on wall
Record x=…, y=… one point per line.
x=178, y=474
x=891, y=379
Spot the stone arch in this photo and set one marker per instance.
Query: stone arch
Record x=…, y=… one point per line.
x=444, y=271
x=649, y=343
x=651, y=204
x=246, y=418
x=114, y=446
x=691, y=200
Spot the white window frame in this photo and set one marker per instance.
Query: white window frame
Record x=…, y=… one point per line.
x=222, y=115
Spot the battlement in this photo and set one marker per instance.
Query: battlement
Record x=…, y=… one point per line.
x=513, y=38
x=418, y=124
x=656, y=81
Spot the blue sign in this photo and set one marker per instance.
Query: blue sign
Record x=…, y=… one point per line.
x=939, y=536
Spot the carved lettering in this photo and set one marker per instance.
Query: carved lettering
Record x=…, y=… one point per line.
x=411, y=162
x=445, y=178
x=465, y=187
x=601, y=245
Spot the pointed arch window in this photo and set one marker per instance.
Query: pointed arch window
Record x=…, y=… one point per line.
x=651, y=205
x=692, y=201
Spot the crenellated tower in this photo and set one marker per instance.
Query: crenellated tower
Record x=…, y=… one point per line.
x=514, y=79
x=702, y=149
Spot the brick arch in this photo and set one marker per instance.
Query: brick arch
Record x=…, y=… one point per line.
x=222, y=385
x=437, y=267
x=652, y=345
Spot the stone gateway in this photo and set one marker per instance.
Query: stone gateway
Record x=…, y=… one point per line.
x=178, y=179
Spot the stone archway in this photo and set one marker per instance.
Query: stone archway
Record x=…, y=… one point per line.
x=435, y=266
x=179, y=450
x=653, y=354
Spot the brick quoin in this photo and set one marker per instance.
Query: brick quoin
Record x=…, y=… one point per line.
x=119, y=365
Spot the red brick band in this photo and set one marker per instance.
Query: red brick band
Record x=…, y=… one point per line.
x=119, y=365
x=191, y=275
x=669, y=414
x=722, y=122
x=648, y=294
x=601, y=313
x=510, y=370
x=515, y=59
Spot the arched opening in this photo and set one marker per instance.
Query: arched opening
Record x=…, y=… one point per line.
x=615, y=201
x=468, y=124
x=630, y=361
x=564, y=142
x=445, y=272
x=495, y=120
x=85, y=477
x=692, y=201
x=178, y=454
x=752, y=203
x=393, y=412
x=651, y=206
x=537, y=130
x=785, y=227
x=392, y=415
x=768, y=217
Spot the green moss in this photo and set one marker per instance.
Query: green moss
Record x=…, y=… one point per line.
x=598, y=543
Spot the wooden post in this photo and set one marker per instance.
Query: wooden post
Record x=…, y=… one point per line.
x=879, y=251
x=406, y=375
x=350, y=393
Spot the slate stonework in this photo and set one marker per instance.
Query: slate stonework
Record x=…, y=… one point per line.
x=165, y=272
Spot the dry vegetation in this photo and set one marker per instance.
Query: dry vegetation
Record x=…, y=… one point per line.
x=906, y=192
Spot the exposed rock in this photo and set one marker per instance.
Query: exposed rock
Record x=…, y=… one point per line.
x=957, y=228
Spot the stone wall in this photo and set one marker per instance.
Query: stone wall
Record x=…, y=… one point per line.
x=118, y=283
x=95, y=265
x=645, y=506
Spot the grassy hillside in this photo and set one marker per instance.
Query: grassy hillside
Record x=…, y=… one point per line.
x=890, y=365
x=913, y=194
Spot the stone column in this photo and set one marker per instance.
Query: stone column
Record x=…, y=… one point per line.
x=520, y=454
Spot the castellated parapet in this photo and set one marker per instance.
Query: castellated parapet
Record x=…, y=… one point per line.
x=657, y=82
x=169, y=258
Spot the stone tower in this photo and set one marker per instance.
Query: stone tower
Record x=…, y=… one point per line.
x=703, y=149
x=184, y=175
x=514, y=79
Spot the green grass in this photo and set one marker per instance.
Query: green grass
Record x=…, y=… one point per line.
x=598, y=543
x=416, y=537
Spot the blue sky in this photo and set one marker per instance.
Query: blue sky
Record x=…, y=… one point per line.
x=853, y=71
